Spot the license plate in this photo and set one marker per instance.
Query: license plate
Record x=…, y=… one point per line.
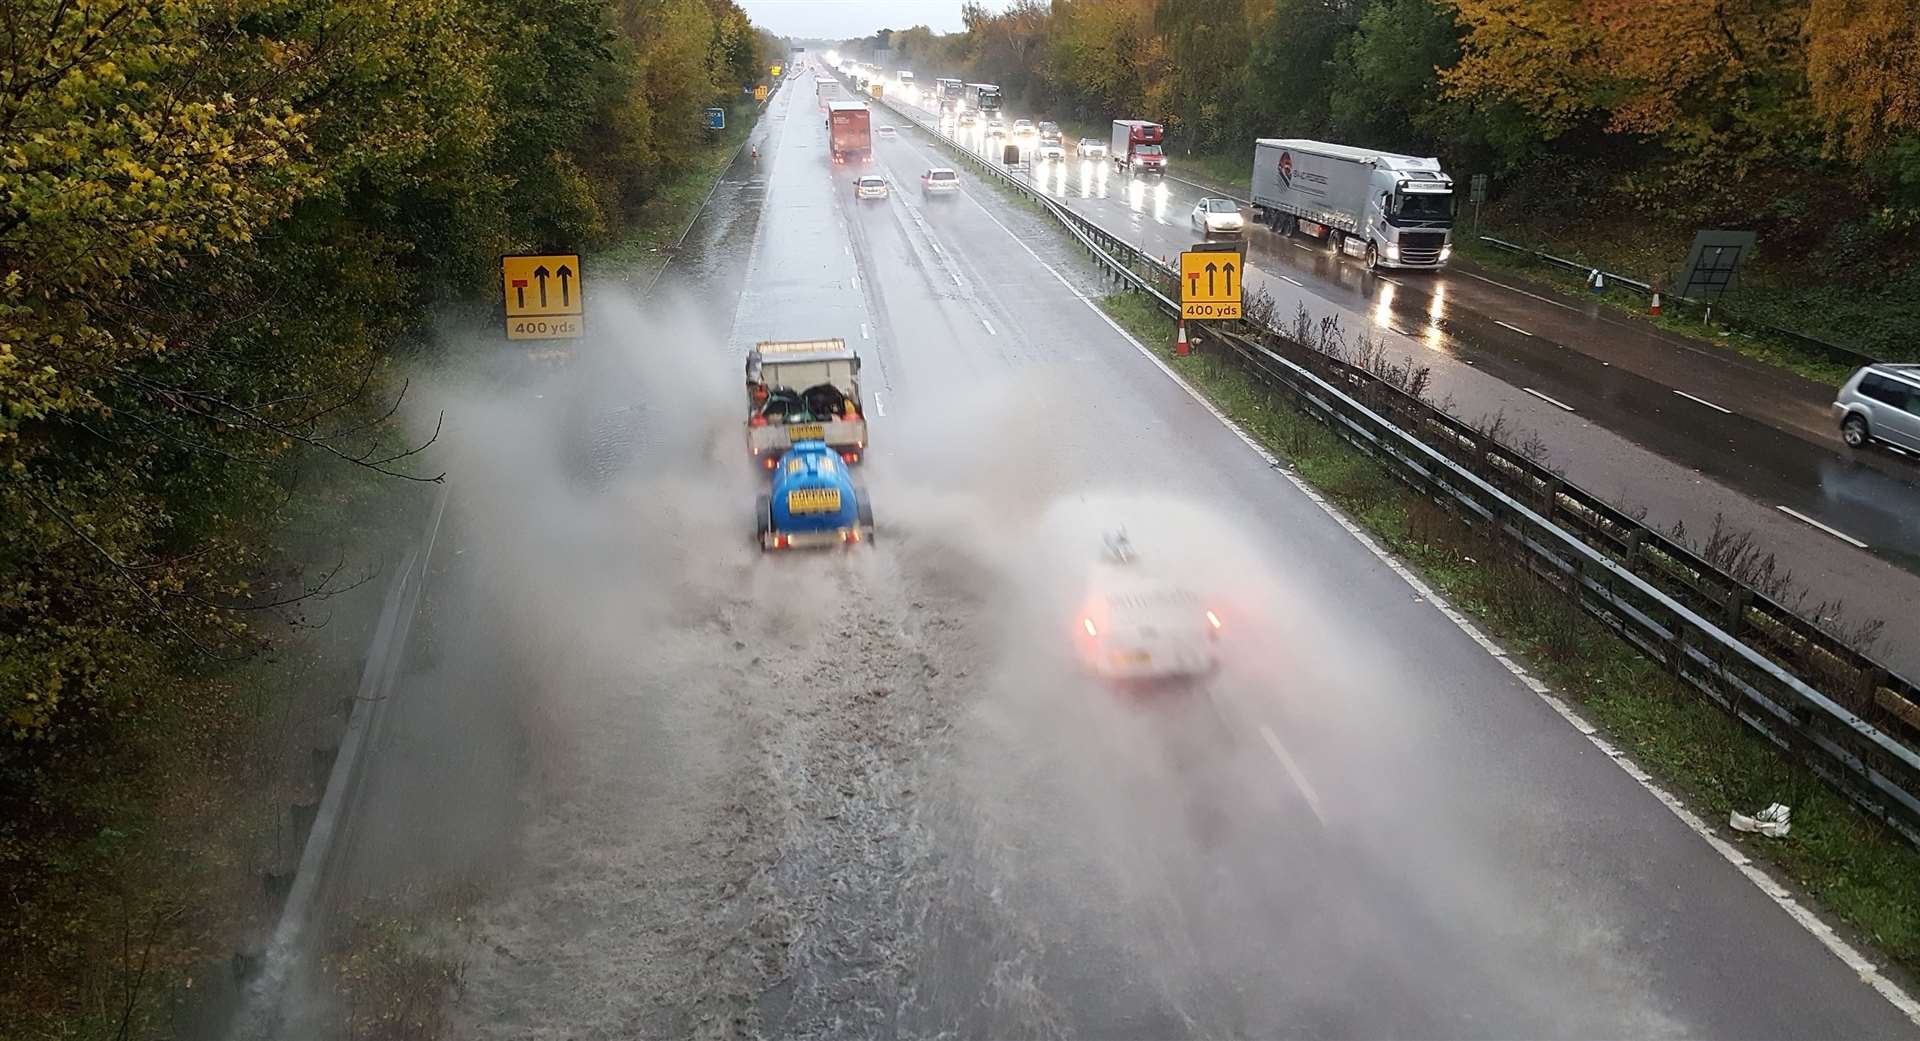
x=813, y=500
x=1133, y=658
x=806, y=432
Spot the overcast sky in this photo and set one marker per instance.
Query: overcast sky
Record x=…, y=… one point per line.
x=845, y=19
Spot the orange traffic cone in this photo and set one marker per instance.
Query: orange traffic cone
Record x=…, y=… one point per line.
x=1655, y=309
x=1180, y=346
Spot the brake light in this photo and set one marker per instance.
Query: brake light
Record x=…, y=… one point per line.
x=849, y=535
x=770, y=462
x=782, y=541
x=1087, y=623
x=1213, y=619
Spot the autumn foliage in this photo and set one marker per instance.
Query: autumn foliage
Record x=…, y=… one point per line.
x=218, y=221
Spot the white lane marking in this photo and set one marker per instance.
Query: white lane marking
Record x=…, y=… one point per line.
x=1293, y=771
x=1295, y=281
x=864, y=335
x=1302, y=245
x=1515, y=328
x=1511, y=289
x=856, y=282
x=1548, y=400
x=1841, y=535
x=879, y=405
x=1704, y=401
x=1387, y=280
x=848, y=250
x=1781, y=897
x=989, y=326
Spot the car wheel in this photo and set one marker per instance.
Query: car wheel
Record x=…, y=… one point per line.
x=1854, y=431
x=763, y=520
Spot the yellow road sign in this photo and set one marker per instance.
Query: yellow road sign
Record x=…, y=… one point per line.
x=1210, y=284
x=544, y=296
x=760, y=92
x=775, y=70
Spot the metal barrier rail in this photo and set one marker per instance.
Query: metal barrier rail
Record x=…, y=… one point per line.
x=1846, y=716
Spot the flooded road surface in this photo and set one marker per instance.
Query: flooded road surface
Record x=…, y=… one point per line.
x=1746, y=442
x=708, y=793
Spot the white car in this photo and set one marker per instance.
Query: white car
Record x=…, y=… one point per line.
x=1091, y=147
x=1025, y=128
x=1136, y=624
x=1049, y=150
x=995, y=128
x=940, y=180
x=886, y=130
x=870, y=186
x=1219, y=217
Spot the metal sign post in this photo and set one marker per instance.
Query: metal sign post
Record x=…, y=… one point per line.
x=1478, y=193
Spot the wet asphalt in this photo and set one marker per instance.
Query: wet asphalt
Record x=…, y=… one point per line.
x=1604, y=395
x=1367, y=826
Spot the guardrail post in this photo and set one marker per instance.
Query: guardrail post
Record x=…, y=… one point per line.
x=1735, y=619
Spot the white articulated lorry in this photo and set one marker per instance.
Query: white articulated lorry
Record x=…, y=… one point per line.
x=1393, y=210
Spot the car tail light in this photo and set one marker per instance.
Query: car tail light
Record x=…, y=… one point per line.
x=849, y=535
x=1087, y=624
x=782, y=541
x=770, y=462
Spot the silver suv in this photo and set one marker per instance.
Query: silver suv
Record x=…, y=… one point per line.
x=1881, y=403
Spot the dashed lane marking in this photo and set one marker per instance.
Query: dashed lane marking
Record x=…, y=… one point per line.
x=1515, y=328
x=1835, y=532
x=989, y=326
x=1293, y=771
x=1548, y=400
x=1295, y=281
x=879, y=405
x=1704, y=401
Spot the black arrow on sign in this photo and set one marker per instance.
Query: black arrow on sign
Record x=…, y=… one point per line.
x=566, y=281
x=1211, y=268
x=1229, y=270
x=540, y=273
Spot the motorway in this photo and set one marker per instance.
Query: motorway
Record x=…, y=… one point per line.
x=705, y=793
x=1633, y=414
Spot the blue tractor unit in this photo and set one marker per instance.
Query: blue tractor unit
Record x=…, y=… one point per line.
x=813, y=502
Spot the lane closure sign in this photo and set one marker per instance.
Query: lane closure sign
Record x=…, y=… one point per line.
x=544, y=295
x=1210, y=283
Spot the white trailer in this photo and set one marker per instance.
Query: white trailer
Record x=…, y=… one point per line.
x=1393, y=210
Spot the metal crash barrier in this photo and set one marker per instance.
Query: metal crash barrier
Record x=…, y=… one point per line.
x=1839, y=712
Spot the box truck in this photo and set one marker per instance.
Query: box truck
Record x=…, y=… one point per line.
x=1138, y=147
x=849, y=132
x=1393, y=210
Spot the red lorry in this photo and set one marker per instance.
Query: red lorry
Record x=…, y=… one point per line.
x=1138, y=148
x=849, y=131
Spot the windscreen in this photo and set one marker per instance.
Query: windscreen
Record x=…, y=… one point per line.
x=1425, y=206
x=1223, y=206
x=1146, y=150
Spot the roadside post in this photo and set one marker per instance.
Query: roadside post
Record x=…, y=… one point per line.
x=1477, y=191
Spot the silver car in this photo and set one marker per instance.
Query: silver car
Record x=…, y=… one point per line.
x=1090, y=147
x=1881, y=403
x=870, y=186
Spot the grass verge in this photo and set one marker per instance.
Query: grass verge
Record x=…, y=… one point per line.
x=1777, y=351
x=639, y=254
x=1856, y=868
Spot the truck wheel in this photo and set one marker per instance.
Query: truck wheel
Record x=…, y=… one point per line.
x=1336, y=242
x=1854, y=431
x=866, y=517
x=1373, y=258
x=763, y=520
